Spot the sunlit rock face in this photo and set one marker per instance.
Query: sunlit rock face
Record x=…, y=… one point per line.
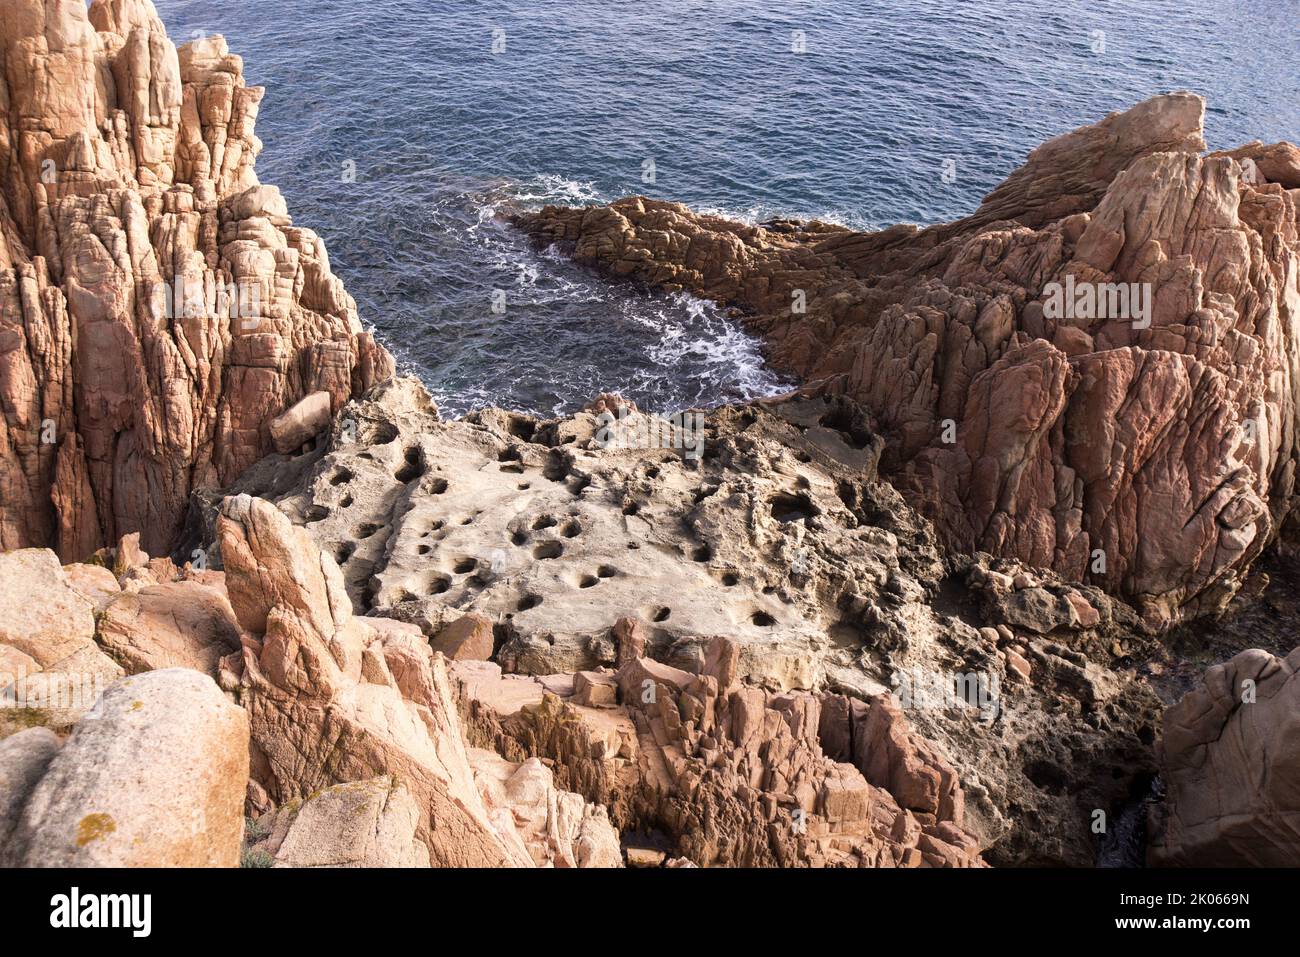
x=1094, y=373
x=157, y=306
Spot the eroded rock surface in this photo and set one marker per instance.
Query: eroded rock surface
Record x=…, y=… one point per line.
x=332, y=700
x=361, y=824
x=512, y=642
x=1231, y=770
x=1163, y=443
x=158, y=309
x=584, y=558
x=155, y=778
x=730, y=774
x=52, y=671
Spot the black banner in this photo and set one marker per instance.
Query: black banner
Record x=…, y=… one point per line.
x=773, y=908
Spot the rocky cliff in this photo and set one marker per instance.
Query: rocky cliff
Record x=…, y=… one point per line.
x=158, y=308
x=1094, y=373
x=922, y=612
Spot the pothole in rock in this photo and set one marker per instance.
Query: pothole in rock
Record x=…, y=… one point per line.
x=854, y=432
x=511, y=460
x=555, y=469
x=521, y=428
x=548, y=550
x=847, y=634
x=1048, y=777
x=956, y=601
x=787, y=507
x=412, y=466
x=380, y=433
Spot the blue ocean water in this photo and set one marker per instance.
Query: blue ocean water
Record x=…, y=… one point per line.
x=842, y=110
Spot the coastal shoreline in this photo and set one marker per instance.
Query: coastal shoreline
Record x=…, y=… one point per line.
x=993, y=574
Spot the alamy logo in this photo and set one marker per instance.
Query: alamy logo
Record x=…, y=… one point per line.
x=73, y=910
x=211, y=298
x=52, y=691
x=922, y=689
x=683, y=430
x=1129, y=301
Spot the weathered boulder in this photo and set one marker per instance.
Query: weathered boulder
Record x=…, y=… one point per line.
x=174, y=625
x=1230, y=764
x=1278, y=163
x=23, y=759
x=51, y=670
x=154, y=778
x=360, y=824
x=95, y=583
x=41, y=614
x=307, y=418
x=467, y=638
